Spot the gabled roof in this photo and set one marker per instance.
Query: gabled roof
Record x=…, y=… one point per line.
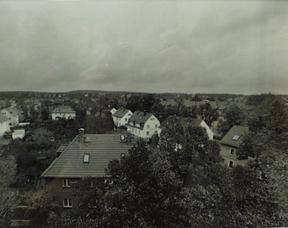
x=62, y=147
x=140, y=118
x=102, y=148
x=63, y=109
x=120, y=113
x=234, y=136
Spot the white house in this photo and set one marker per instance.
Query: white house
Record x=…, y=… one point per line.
x=63, y=112
x=121, y=116
x=203, y=124
x=18, y=134
x=12, y=114
x=4, y=125
x=143, y=125
x=113, y=110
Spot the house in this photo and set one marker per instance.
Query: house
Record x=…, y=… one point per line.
x=4, y=125
x=143, y=125
x=198, y=122
x=194, y=122
x=121, y=116
x=230, y=143
x=18, y=134
x=63, y=112
x=13, y=115
x=86, y=156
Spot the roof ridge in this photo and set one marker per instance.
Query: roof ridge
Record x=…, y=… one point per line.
x=56, y=159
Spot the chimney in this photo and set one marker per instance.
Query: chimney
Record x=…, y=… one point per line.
x=81, y=135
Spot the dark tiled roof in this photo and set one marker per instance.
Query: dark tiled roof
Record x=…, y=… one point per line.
x=236, y=130
x=63, y=109
x=102, y=148
x=140, y=118
x=62, y=147
x=120, y=112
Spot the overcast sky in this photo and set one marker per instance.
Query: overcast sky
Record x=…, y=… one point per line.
x=153, y=46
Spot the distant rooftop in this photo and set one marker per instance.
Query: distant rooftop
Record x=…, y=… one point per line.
x=63, y=109
x=121, y=112
x=234, y=136
x=88, y=158
x=140, y=118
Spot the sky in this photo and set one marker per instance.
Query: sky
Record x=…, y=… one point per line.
x=146, y=46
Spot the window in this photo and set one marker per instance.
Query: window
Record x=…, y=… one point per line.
x=147, y=133
x=232, y=151
x=66, y=183
x=67, y=203
x=86, y=158
x=125, y=119
x=148, y=126
x=156, y=125
x=230, y=164
x=236, y=137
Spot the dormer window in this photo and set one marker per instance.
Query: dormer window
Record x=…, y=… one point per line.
x=236, y=137
x=86, y=158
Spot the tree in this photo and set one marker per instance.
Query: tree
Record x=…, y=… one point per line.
x=246, y=148
x=233, y=116
x=279, y=116
x=208, y=113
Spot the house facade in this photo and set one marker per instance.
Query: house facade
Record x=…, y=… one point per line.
x=18, y=134
x=4, y=125
x=63, y=112
x=208, y=130
x=121, y=116
x=87, y=156
x=12, y=114
x=143, y=125
x=230, y=144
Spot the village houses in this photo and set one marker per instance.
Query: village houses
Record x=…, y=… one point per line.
x=143, y=125
x=4, y=125
x=87, y=156
x=121, y=116
x=230, y=143
x=63, y=112
x=13, y=115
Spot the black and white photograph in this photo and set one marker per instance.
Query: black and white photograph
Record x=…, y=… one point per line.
x=143, y=113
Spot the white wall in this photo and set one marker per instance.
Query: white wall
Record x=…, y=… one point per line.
x=208, y=130
x=151, y=126
x=4, y=127
x=13, y=119
x=66, y=116
x=118, y=122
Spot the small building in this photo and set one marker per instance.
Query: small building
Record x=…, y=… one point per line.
x=143, y=125
x=87, y=156
x=13, y=115
x=4, y=125
x=121, y=116
x=63, y=112
x=198, y=122
x=194, y=122
x=18, y=134
x=230, y=143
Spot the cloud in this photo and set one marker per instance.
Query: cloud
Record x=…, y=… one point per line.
x=157, y=46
